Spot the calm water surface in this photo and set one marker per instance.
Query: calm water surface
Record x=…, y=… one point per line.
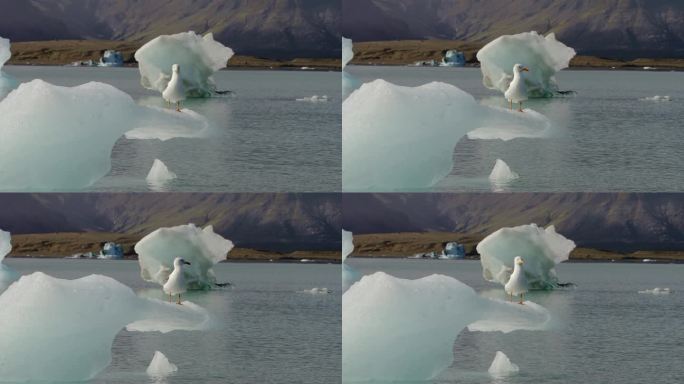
x=266, y=142
x=266, y=331
x=603, y=331
x=606, y=138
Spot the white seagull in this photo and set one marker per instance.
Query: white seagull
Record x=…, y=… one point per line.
x=174, y=92
x=517, y=284
x=517, y=92
x=176, y=284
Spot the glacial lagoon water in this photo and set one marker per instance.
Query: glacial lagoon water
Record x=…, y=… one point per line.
x=266, y=330
x=267, y=141
x=605, y=137
x=603, y=330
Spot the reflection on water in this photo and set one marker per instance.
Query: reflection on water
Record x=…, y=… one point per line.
x=602, y=330
x=603, y=138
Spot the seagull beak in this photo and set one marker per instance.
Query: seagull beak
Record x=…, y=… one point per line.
x=525, y=69
x=186, y=262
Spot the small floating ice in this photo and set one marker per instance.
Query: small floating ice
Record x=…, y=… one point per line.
x=61, y=138
x=315, y=99
x=7, y=82
x=541, y=249
x=198, y=57
x=501, y=366
x=501, y=173
x=7, y=274
x=56, y=330
x=404, y=330
x=201, y=247
x=160, y=366
x=656, y=98
x=159, y=175
x=403, y=138
x=316, y=291
x=544, y=56
x=657, y=291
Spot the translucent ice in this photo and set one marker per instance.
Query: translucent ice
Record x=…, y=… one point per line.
x=7, y=82
x=160, y=366
x=349, y=274
x=201, y=247
x=544, y=56
x=347, y=244
x=198, y=57
x=61, y=138
x=502, y=366
x=58, y=330
x=541, y=249
x=159, y=175
x=7, y=274
x=347, y=51
x=404, y=330
x=403, y=138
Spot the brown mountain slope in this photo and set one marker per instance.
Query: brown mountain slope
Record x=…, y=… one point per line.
x=270, y=28
x=613, y=28
x=619, y=222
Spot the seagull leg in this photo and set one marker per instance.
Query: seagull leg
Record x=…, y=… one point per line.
x=522, y=297
x=520, y=106
x=178, y=106
x=511, y=100
x=179, y=300
x=170, y=298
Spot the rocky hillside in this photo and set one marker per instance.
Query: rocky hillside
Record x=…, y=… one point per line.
x=619, y=222
x=269, y=28
x=611, y=28
x=278, y=222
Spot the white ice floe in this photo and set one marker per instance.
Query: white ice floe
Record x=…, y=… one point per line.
x=347, y=51
x=544, y=56
x=541, y=249
x=201, y=247
x=657, y=291
x=316, y=291
x=404, y=330
x=159, y=175
x=501, y=366
x=7, y=82
x=198, y=57
x=403, y=138
x=56, y=330
x=656, y=98
x=315, y=99
x=501, y=173
x=61, y=138
x=160, y=366
x=7, y=274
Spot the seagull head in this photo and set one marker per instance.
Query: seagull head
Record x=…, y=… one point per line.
x=175, y=68
x=179, y=262
x=520, y=68
x=518, y=260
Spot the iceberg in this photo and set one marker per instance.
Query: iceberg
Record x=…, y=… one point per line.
x=403, y=138
x=57, y=330
x=7, y=82
x=502, y=366
x=540, y=248
x=198, y=57
x=201, y=247
x=347, y=244
x=111, y=251
x=544, y=56
x=349, y=274
x=159, y=175
x=347, y=51
x=111, y=58
x=404, y=330
x=7, y=274
x=501, y=173
x=349, y=82
x=61, y=138
x=160, y=366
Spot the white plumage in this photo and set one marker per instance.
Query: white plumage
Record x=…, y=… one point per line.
x=176, y=284
x=517, y=91
x=175, y=92
x=517, y=283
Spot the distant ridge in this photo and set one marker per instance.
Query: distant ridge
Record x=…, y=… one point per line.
x=624, y=29
x=281, y=29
